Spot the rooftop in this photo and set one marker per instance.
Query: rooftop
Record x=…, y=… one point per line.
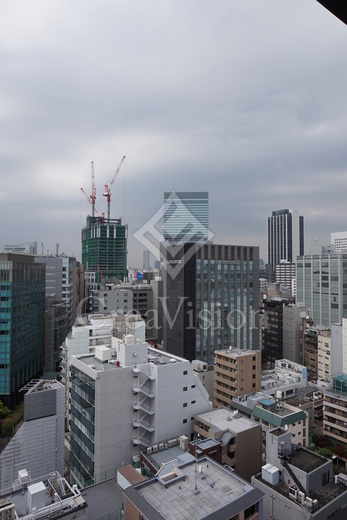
x=182, y=493
x=52, y=495
x=224, y=419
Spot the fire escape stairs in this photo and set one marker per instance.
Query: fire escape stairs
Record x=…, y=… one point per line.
x=294, y=477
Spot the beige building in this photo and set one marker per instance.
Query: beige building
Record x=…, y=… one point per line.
x=237, y=372
x=335, y=410
x=324, y=356
x=240, y=438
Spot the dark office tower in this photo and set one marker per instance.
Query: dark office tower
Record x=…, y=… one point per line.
x=285, y=236
x=22, y=324
x=186, y=216
x=104, y=248
x=211, y=295
x=272, y=332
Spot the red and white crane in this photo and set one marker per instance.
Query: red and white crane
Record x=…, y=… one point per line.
x=108, y=187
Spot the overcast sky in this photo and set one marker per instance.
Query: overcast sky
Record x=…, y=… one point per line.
x=245, y=99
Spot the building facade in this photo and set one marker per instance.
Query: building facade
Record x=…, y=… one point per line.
x=236, y=372
x=38, y=444
x=285, y=236
x=22, y=324
x=322, y=287
x=104, y=249
x=186, y=216
x=240, y=438
x=211, y=295
x=136, y=400
x=339, y=241
x=298, y=483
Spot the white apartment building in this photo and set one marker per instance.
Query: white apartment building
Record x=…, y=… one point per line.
x=120, y=405
x=339, y=240
x=286, y=377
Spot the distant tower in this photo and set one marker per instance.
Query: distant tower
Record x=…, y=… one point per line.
x=186, y=216
x=146, y=264
x=285, y=236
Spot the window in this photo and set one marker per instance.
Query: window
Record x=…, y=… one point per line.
x=184, y=421
x=184, y=405
x=185, y=388
x=185, y=372
x=193, y=386
x=193, y=402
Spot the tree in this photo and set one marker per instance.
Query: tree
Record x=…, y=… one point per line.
x=7, y=428
x=340, y=451
x=4, y=411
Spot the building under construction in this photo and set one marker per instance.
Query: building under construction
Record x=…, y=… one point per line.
x=104, y=248
x=104, y=240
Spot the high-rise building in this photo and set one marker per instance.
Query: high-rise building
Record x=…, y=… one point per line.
x=22, y=324
x=285, y=236
x=186, y=216
x=146, y=262
x=339, y=240
x=120, y=407
x=104, y=248
x=61, y=281
x=322, y=287
x=211, y=299
x=272, y=333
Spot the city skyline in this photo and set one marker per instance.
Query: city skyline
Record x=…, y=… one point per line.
x=244, y=102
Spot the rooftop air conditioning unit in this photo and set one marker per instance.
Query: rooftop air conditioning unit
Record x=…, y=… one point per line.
x=293, y=492
x=309, y=501
x=161, y=446
x=155, y=448
x=301, y=497
x=149, y=451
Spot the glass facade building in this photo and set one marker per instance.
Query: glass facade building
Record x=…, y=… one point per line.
x=22, y=324
x=211, y=301
x=285, y=236
x=322, y=287
x=82, y=426
x=186, y=216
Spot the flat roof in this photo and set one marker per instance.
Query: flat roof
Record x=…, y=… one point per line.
x=192, y=495
x=225, y=419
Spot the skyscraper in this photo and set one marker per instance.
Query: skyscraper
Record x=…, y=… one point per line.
x=186, y=216
x=285, y=236
x=322, y=287
x=211, y=295
x=104, y=248
x=22, y=323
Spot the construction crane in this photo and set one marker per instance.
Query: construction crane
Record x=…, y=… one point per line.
x=108, y=187
x=93, y=195
x=95, y=211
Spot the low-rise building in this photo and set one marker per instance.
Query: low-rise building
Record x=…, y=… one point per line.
x=240, y=438
x=298, y=483
x=286, y=377
x=273, y=414
x=48, y=498
x=193, y=490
